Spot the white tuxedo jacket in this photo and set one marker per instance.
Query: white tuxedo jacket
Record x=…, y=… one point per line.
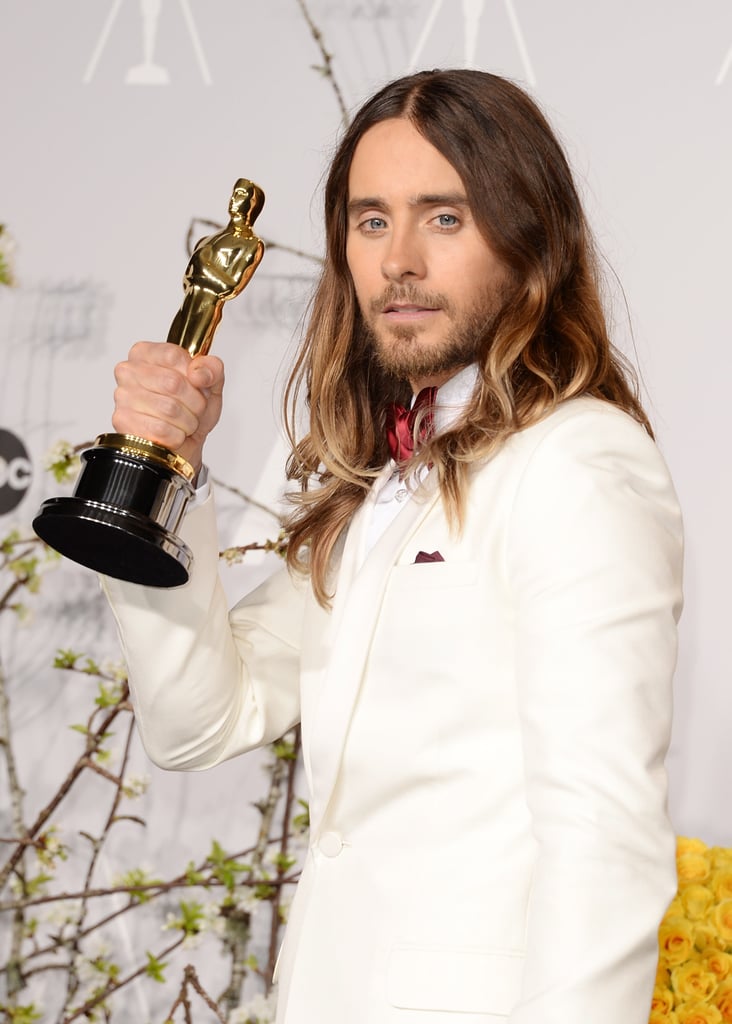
x=483, y=736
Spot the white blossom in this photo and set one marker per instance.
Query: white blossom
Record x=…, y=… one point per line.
x=260, y=1009
x=134, y=786
x=61, y=451
x=87, y=964
x=63, y=912
x=246, y=901
x=209, y=922
x=116, y=669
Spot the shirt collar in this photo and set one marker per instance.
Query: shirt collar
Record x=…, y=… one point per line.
x=453, y=397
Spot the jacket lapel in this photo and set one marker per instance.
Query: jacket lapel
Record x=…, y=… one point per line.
x=361, y=585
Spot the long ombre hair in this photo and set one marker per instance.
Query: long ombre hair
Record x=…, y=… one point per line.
x=549, y=343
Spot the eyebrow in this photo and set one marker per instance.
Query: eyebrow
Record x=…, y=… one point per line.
x=421, y=199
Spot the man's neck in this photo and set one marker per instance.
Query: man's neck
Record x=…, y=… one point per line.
x=437, y=380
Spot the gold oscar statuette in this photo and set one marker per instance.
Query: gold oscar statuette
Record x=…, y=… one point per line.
x=131, y=494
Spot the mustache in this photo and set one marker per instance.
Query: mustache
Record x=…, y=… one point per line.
x=409, y=295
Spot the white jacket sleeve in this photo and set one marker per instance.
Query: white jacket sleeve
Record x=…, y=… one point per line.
x=205, y=685
x=596, y=556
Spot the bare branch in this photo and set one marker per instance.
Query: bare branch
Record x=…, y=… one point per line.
x=327, y=67
x=93, y=741
x=113, y=987
x=249, y=500
x=190, y=978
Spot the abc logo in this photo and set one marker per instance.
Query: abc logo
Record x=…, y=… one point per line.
x=15, y=471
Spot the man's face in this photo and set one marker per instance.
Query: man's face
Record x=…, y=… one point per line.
x=427, y=282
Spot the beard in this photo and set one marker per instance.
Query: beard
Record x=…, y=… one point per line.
x=403, y=354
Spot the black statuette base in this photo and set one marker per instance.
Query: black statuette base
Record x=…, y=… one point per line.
x=122, y=519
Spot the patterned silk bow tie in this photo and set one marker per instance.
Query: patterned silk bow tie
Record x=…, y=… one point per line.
x=400, y=424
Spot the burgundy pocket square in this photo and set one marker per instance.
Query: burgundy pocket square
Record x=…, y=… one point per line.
x=424, y=556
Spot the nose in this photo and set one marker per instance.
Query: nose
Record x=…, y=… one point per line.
x=403, y=256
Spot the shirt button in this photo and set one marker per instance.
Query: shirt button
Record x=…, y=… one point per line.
x=402, y=494
x=330, y=844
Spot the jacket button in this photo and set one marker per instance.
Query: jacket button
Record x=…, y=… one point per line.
x=330, y=844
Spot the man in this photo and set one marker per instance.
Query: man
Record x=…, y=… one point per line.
x=478, y=638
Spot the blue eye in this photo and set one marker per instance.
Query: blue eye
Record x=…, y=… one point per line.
x=375, y=223
x=447, y=220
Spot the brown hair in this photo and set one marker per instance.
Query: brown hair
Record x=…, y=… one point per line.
x=550, y=342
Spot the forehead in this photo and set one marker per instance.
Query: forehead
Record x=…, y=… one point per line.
x=393, y=160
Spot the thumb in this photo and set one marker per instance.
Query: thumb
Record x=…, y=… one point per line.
x=207, y=374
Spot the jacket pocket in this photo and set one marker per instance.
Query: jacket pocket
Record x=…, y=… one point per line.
x=434, y=574
x=456, y=980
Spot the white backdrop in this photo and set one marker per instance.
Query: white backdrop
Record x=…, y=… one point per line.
x=122, y=120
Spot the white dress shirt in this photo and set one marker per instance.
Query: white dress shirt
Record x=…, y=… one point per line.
x=393, y=492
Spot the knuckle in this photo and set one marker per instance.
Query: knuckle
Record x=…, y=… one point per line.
x=171, y=382
x=173, y=355
x=139, y=351
x=169, y=408
x=122, y=372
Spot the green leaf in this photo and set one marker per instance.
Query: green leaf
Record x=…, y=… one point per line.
x=223, y=867
x=191, y=917
x=155, y=968
x=194, y=877
x=284, y=862
x=138, y=877
x=109, y=693
x=66, y=659
x=21, y=1014
x=283, y=750
x=25, y=569
x=302, y=821
x=9, y=541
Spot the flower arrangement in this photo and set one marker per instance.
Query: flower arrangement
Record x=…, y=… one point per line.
x=694, y=980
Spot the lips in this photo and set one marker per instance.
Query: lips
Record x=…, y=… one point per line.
x=395, y=307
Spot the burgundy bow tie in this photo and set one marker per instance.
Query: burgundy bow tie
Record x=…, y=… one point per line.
x=400, y=424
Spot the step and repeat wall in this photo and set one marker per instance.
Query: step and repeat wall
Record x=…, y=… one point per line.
x=125, y=124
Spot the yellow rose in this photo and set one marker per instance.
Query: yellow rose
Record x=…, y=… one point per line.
x=693, y=860
x=696, y=900
x=663, y=977
x=707, y=937
x=721, y=883
x=691, y=981
x=698, y=1013
x=662, y=1018
x=693, y=867
x=675, y=940
x=684, y=844
x=721, y=918
x=717, y=962
x=723, y=1001
x=721, y=856
x=675, y=908
x=663, y=1000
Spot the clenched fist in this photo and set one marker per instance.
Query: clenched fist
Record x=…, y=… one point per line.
x=165, y=396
